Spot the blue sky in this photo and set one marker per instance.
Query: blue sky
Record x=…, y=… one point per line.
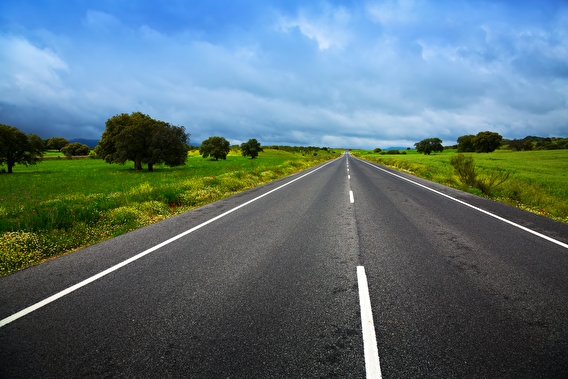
x=359, y=74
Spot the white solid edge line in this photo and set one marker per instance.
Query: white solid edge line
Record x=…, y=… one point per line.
x=351, y=199
x=372, y=363
x=68, y=290
x=550, y=239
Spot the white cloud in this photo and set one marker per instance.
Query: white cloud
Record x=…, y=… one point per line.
x=29, y=73
x=391, y=12
x=101, y=21
x=329, y=29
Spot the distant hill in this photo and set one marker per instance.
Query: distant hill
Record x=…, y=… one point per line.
x=89, y=142
x=396, y=148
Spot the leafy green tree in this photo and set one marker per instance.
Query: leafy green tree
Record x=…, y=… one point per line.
x=139, y=138
x=169, y=145
x=57, y=143
x=251, y=148
x=520, y=144
x=487, y=142
x=527, y=145
x=465, y=144
x=215, y=147
x=429, y=145
x=75, y=148
x=17, y=147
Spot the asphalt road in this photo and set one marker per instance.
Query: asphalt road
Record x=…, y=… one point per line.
x=265, y=285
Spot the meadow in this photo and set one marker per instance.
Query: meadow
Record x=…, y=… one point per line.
x=537, y=182
x=60, y=204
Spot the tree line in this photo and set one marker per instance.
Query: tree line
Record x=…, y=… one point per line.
x=66, y=147
x=139, y=138
x=487, y=142
x=218, y=148
x=17, y=147
x=132, y=137
x=143, y=140
x=483, y=142
x=537, y=143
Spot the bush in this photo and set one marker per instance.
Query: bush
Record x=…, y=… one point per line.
x=75, y=149
x=493, y=179
x=154, y=208
x=465, y=168
x=125, y=216
x=17, y=250
x=390, y=152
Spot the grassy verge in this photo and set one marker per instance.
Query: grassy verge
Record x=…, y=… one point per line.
x=537, y=179
x=61, y=205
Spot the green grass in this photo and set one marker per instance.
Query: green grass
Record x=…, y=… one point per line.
x=537, y=182
x=63, y=204
x=53, y=154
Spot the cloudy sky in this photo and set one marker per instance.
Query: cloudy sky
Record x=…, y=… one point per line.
x=327, y=73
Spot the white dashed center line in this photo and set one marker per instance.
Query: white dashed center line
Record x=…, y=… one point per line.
x=372, y=364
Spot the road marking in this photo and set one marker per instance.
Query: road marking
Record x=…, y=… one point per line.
x=349, y=177
x=67, y=291
x=550, y=239
x=351, y=199
x=372, y=364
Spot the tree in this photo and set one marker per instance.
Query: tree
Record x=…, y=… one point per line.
x=216, y=147
x=429, y=145
x=75, y=148
x=520, y=144
x=143, y=140
x=168, y=145
x=251, y=148
x=465, y=144
x=17, y=147
x=527, y=146
x=487, y=142
x=57, y=143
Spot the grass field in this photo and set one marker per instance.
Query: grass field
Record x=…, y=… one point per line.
x=63, y=204
x=538, y=180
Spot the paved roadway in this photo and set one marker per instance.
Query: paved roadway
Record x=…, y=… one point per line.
x=265, y=285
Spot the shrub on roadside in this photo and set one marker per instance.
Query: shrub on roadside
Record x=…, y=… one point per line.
x=125, y=216
x=464, y=166
x=390, y=152
x=18, y=250
x=465, y=169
